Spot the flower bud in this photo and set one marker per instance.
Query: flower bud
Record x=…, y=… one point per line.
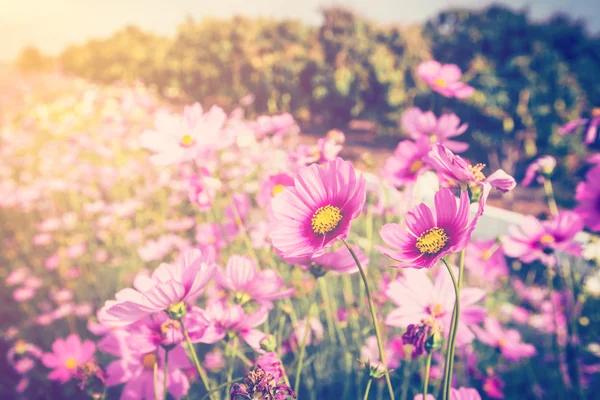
x=268, y=343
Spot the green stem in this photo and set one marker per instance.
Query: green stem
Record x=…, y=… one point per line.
x=366, y=396
x=452, y=336
x=155, y=377
x=244, y=359
x=165, y=374
x=328, y=311
x=303, y=350
x=374, y=318
x=555, y=345
x=550, y=196
x=221, y=386
x=242, y=228
x=426, y=380
x=232, y=352
x=194, y=358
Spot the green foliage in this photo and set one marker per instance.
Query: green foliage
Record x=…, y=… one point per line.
x=530, y=77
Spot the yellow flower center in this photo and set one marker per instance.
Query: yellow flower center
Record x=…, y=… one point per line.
x=71, y=363
x=546, y=239
x=326, y=219
x=149, y=360
x=432, y=241
x=187, y=140
x=486, y=255
x=477, y=174
x=20, y=347
x=501, y=342
x=166, y=326
x=436, y=310
x=440, y=82
x=276, y=190
x=415, y=166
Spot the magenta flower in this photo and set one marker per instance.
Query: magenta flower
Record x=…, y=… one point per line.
x=424, y=125
x=444, y=79
x=271, y=364
x=136, y=370
x=430, y=234
x=317, y=210
x=182, y=138
x=457, y=171
x=203, y=189
x=507, y=341
x=418, y=299
x=592, y=131
x=68, y=354
x=169, y=287
x=341, y=260
x=539, y=240
x=272, y=186
x=588, y=198
x=543, y=166
x=485, y=260
x=233, y=320
x=394, y=352
x=246, y=283
x=406, y=164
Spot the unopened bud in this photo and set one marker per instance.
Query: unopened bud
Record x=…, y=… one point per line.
x=268, y=343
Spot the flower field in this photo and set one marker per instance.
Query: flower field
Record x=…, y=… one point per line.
x=157, y=251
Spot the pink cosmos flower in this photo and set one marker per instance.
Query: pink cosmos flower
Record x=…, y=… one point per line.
x=271, y=364
x=544, y=165
x=136, y=371
x=341, y=261
x=246, y=283
x=316, y=333
x=424, y=125
x=176, y=139
x=67, y=355
x=456, y=394
x=203, y=189
x=272, y=186
x=52, y=262
x=418, y=299
x=431, y=234
x=17, y=275
x=588, y=198
x=214, y=360
x=539, y=240
x=592, y=131
x=444, y=79
x=317, y=210
x=76, y=250
x=485, y=260
x=493, y=386
x=232, y=319
x=394, y=352
x=406, y=164
x=457, y=171
x=507, y=341
x=169, y=286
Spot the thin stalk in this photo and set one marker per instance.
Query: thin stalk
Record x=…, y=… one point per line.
x=328, y=311
x=452, y=336
x=555, y=345
x=232, y=349
x=374, y=318
x=194, y=358
x=155, y=378
x=366, y=396
x=550, y=196
x=426, y=379
x=221, y=386
x=303, y=349
x=242, y=357
x=242, y=228
x=165, y=374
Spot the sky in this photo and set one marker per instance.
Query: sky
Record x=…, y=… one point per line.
x=51, y=25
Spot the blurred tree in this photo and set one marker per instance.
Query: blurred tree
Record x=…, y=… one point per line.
x=32, y=60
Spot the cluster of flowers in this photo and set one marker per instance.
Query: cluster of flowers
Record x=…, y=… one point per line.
x=225, y=206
